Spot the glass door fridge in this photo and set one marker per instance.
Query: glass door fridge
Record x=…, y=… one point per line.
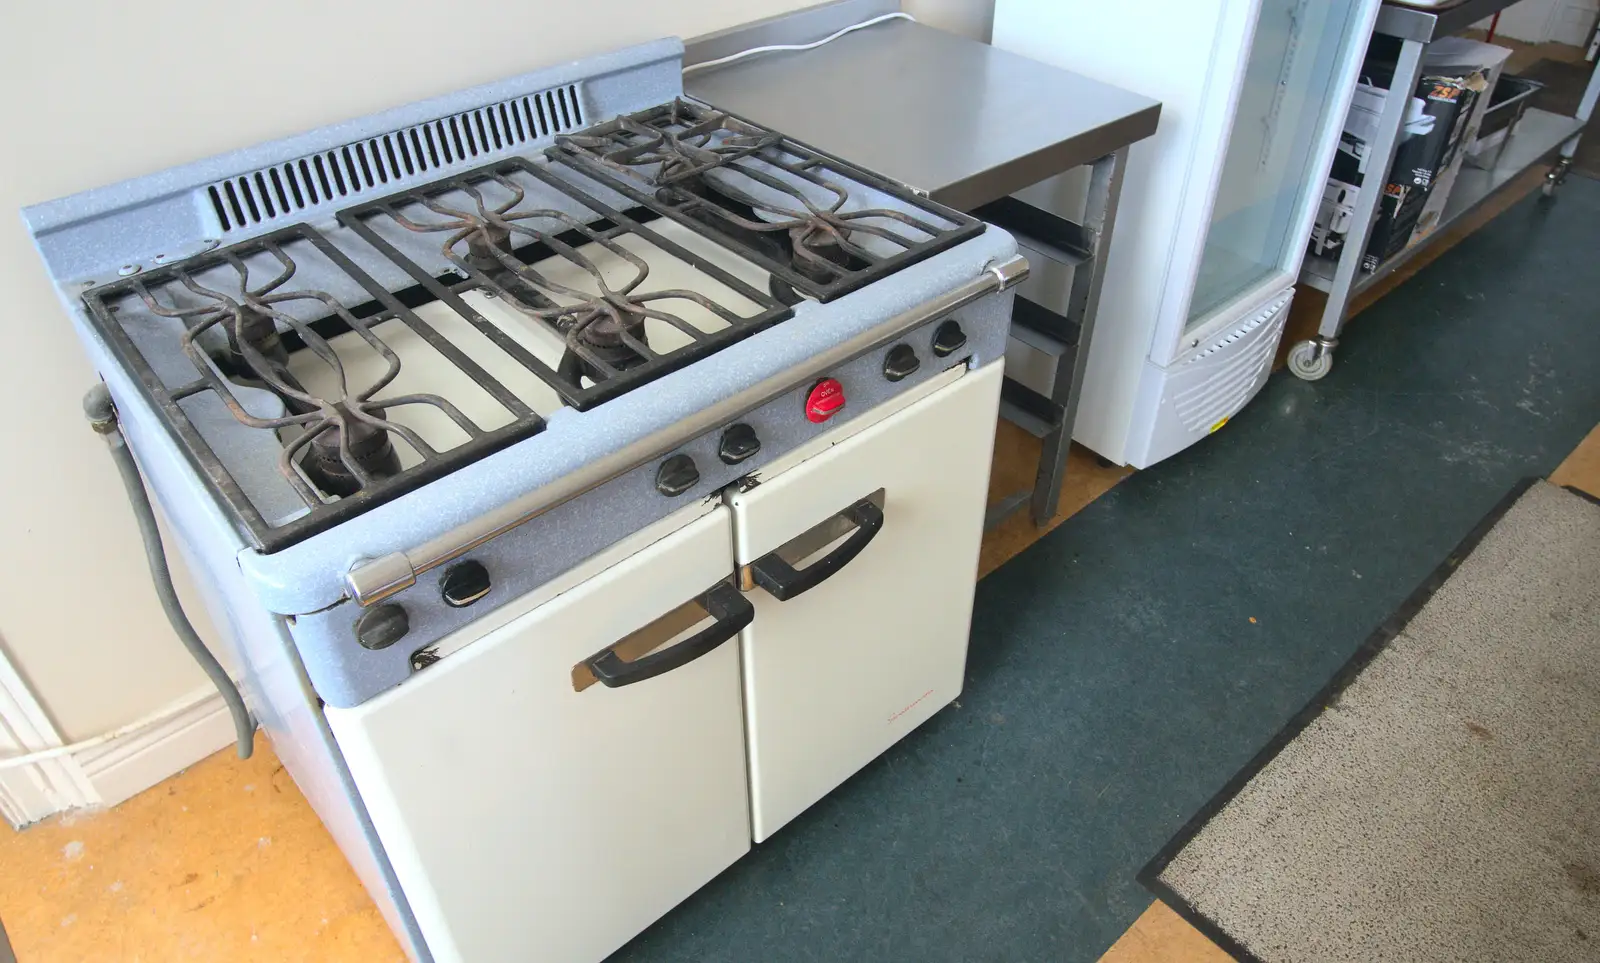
x=1217, y=207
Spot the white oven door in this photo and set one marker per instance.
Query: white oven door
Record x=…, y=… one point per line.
x=860, y=561
x=549, y=790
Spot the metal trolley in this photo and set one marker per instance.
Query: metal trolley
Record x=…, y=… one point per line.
x=1540, y=134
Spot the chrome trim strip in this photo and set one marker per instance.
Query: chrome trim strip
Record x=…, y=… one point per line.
x=374, y=580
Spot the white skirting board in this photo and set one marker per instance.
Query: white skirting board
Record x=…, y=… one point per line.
x=108, y=773
x=129, y=765
x=30, y=793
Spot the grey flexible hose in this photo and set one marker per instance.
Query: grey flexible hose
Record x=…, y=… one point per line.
x=102, y=415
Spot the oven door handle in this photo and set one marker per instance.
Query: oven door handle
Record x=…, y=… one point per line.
x=784, y=582
x=723, y=602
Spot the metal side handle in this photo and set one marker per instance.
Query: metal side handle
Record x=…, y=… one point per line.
x=374, y=580
x=783, y=581
x=626, y=662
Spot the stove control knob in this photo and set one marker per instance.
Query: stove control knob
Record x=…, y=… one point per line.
x=824, y=401
x=948, y=338
x=901, y=363
x=382, y=626
x=676, y=476
x=738, y=443
x=464, y=584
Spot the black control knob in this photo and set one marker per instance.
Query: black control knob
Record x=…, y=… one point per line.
x=901, y=362
x=382, y=626
x=948, y=338
x=676, y=476
x=464, y=583
x=738, y=443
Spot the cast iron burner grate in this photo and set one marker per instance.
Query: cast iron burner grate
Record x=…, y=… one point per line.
x=235, y=317
x=216, y=340
x=498, y=239
x=822, y=227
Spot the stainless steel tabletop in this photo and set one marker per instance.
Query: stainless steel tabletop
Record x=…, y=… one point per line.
x=1424, y=21
x=953, y=117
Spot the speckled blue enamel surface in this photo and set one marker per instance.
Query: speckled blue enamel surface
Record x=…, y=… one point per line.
x=90, y=235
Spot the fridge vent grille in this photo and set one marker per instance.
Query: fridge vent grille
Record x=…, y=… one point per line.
x=1266, y=315
x=1225, y=389
x=393, y=160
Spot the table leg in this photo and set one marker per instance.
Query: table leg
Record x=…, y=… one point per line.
x=1391, y=124
x=1569, y=148
x=1100, y=214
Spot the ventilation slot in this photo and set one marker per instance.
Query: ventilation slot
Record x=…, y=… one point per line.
x=1266, y=315
x=412, y=153
x=1218, y=391
x=1226, y=391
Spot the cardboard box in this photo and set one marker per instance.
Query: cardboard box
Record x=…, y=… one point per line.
x=1398, y=211
x=1418, y=161
x=1350, y=164
x=1478, y=66
x=1433, y=135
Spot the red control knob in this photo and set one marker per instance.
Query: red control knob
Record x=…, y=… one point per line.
x=824, y=401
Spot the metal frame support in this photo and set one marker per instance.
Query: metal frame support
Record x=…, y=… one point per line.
x=1369, y=201
x=1100, y=214
x=1070, y=327
x=1569, y=148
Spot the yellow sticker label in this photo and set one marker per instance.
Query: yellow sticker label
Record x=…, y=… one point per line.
x=1217, y=426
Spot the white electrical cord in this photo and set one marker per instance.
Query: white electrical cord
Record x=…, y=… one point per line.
x=830, y=38
x=154, y=718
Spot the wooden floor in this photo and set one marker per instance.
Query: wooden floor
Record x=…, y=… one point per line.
x=223, y=862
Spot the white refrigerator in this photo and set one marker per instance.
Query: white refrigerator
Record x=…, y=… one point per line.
x=1217, y=207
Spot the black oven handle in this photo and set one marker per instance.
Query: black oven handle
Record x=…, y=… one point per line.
x=724, y=603
x=783, y=582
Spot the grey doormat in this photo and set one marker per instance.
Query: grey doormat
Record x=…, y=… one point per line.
x=1440, y=799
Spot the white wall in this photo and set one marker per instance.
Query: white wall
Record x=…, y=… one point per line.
x=97, y=91
x=971, y=18
x=1538, y=21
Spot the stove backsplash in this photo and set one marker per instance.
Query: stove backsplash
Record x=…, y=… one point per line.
x=112, y=232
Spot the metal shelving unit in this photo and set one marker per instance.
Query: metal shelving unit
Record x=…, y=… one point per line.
x=1539, y=136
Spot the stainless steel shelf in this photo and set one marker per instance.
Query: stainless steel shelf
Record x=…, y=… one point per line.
x=1411, y=23
x=1538, y=135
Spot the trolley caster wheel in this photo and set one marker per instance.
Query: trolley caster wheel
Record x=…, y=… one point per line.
x=1556, y=177
x=1310, y=361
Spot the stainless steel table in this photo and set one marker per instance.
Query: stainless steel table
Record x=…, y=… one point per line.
x=969, y=126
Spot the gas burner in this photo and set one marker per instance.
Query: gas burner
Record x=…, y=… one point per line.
x=603, y=326
x=340, y=445
x=604, y=335
x=586, y=279
x=349, y=449
x=244, y=326
x=685, y=141
x=250, y=325
x=822, y=227
x=508, y=291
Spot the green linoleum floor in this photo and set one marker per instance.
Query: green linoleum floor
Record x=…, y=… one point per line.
x=1123, y=668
